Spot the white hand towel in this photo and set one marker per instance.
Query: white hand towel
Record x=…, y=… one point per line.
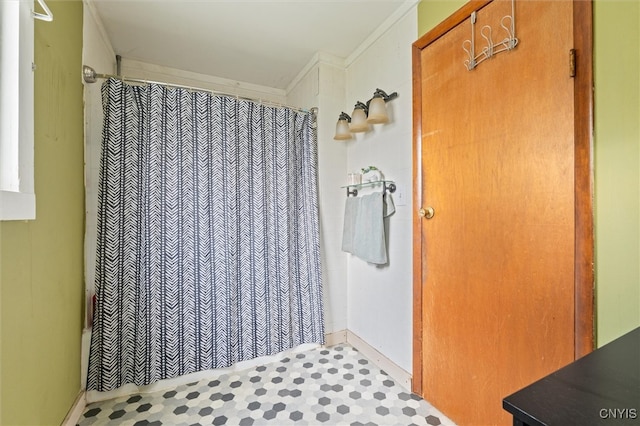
x=351, y=207
x=363, y=232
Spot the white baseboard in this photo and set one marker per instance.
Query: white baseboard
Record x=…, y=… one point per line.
x=401, y=377
x=84, y=357
x=335, y=338
x=74, y=414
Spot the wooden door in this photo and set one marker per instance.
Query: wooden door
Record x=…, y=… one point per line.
x=501, y=278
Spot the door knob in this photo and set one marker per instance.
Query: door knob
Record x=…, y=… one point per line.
x=426, y=213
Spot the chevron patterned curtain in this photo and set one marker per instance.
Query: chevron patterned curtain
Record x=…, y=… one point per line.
x=208, y=245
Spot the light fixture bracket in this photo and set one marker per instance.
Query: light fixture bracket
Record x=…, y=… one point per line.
x=363, y=106
x=379, y=93
x=344, y=116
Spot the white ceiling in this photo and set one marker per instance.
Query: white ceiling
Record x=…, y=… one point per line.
x=264, y=42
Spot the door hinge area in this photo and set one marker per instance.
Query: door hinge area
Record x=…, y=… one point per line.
x=572, y=63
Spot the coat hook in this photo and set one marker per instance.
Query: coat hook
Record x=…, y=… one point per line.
x=492, y=48
x=47, y=16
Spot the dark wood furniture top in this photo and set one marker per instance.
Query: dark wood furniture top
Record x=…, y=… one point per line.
x=602, y=387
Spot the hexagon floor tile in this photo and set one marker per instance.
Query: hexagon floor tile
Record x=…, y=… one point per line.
x=324, y=386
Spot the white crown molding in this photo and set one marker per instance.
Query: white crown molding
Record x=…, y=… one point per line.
x=399, y=13
x=316, y=59
x=343, y=63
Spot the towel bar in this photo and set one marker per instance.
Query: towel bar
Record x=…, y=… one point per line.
x=387, y=185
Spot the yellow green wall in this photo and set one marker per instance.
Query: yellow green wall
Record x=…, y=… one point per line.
x=617, y=166
x=432, y=12
x=41, y=275
x=617, y=157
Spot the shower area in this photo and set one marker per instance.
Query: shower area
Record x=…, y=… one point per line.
x=268, y=212
x=206, y=246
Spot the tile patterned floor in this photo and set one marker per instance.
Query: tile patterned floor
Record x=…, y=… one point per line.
x=324, y=386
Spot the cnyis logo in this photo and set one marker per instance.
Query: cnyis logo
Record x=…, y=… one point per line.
x=618, y=413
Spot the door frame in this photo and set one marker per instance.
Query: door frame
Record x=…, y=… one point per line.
x=584, y=275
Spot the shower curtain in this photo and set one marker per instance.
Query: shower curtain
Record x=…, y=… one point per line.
x=208, y=245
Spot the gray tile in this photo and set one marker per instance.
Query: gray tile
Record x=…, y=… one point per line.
x=324, y=386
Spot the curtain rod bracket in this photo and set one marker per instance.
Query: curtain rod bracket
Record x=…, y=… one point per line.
x=88, y=74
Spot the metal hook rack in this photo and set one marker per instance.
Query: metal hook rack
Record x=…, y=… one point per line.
x=508, y=23
x=46, y=16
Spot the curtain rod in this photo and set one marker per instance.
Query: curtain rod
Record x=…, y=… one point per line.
x=89, y=75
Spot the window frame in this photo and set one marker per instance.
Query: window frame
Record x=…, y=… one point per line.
x=17, y=195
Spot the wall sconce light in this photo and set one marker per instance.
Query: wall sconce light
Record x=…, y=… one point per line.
x=373, y=112
x=378, y=108
x=342, y=128
x=359, y=118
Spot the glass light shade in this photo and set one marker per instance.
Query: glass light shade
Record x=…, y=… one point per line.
x=359, y=121
x=377, y=111
x=342, y=131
